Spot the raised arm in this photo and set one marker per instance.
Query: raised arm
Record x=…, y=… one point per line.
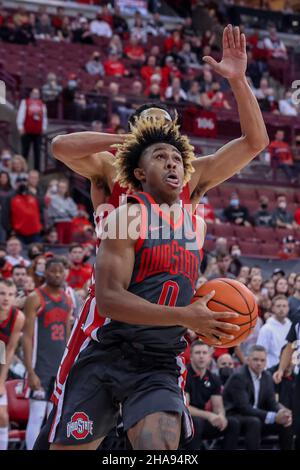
x=86, y=153
x=233, y=156
x=114, y=268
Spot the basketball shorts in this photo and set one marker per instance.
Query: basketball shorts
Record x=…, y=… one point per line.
x=104, y=381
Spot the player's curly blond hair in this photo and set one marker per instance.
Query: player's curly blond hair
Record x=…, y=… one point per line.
x=146, y=132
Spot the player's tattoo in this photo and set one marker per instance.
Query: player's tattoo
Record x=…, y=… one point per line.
x=169, y=429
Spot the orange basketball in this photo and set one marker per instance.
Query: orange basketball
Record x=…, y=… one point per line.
x=231, y=296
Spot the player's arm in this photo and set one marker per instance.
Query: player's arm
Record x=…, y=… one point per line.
x=32, y=305
x=114, y=269
x=86, y=153
x=196, y=411
x=11, y=347
x=233, y=156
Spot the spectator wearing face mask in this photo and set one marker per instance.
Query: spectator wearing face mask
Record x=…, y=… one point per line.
x=94, y=65
x=5, y=159
x=21, y=213
x=236, y=264
x=263, y=217
x=281, y=217
x=37, y=270
x=225, y=366
x=235, y=213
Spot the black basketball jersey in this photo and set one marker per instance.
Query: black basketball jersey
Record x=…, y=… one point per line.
x=166, y=268
x=7, y=326
x=50, y=333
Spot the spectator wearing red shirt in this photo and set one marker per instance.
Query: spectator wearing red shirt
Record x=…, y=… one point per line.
x=134, y=51
x=174, y=42
x=215, y=98
x=206, y=211
x=148, y=69
x=113, y=66
x=21, y=213
x=281, y=156
x=79, y=272
x=80, y=224
x=57, y=19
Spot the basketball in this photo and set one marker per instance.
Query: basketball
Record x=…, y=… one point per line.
x=231, y=296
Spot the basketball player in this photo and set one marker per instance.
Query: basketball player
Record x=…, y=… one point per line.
x=134, y=363
x=46, y=330
x=87, y=154
x=11, y=325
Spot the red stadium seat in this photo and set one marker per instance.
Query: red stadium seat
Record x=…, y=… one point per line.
x=283, y=232
x=250, y=248
x=265, y=233
x=244, y=233
x=223, y=230
x=247, y=193
x=270, y=250
x=18, y=410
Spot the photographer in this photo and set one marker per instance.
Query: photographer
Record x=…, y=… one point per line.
x=21, y=213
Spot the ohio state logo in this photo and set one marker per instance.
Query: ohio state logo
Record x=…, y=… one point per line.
x=80, y=426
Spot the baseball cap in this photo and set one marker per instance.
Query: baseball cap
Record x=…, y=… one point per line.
x=278, y=271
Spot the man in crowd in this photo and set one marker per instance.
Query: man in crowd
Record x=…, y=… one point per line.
x=249, y=396
x=14, y=253
x=203, y=388
x=225, y=366
x=235, y=213
x=281, y=217
x=79, y=272
x=273, y=333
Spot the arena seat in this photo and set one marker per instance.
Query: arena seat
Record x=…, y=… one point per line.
x=223, y=230
x=270, y=250
x=18, y=411
x=250, y=248
x=265, y=233
x=244, y=233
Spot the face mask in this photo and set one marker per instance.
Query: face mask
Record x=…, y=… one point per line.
x=282, y=205
x=234, y=202
x=39, y=273
x=96, y=59
x=22, y=189
x=225, y=373
x=236, y=253
x=204, y=200
x=264, y=206
x=72, y=84
x=6, y=156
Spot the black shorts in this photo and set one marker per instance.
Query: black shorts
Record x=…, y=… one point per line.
x=104, y=381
